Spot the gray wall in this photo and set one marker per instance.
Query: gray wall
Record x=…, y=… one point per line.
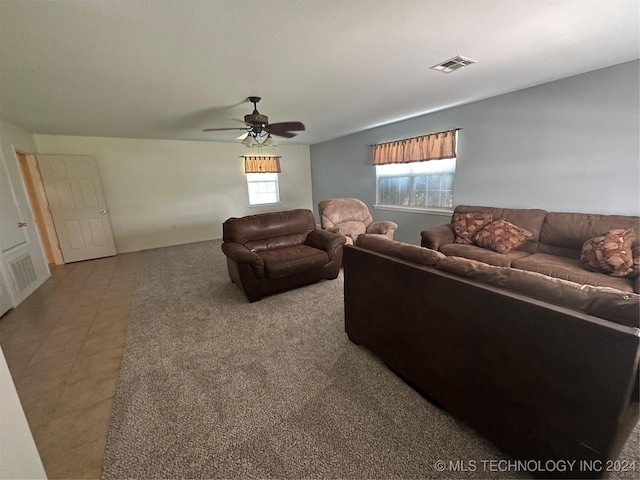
x=571, y=145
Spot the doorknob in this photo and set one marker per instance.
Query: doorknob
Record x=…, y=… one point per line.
x=21, y=224
x=103, y=212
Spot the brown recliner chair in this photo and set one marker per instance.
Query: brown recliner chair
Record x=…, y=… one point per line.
x=350, y=217
x=272, y=252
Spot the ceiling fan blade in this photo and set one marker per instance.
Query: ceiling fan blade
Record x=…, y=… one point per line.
x=220, y=129
x=276, y=128
x=283, y=134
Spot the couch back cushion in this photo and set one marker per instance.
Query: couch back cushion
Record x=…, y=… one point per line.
x=603, y=302
x=335, y=212
x=404, y=251
x=266, y=231
x=564, y=234
x=530, y=219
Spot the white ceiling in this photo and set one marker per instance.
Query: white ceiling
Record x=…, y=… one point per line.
x=169, y=68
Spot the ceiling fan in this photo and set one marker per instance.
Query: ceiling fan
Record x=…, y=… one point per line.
x=259, y=130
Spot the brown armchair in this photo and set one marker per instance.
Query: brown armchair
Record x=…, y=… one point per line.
x=350, y=217
x=272, y=252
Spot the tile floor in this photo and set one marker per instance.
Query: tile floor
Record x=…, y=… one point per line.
x=64, y=346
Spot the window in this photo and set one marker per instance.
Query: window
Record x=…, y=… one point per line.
x=418, y=172
x=263, y=188
x=417, y=184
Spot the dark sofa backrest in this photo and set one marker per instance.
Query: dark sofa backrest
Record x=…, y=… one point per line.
x=558, y=233
x=564, y=233
x=528, y=218
x=270, y=230
x=499, y=361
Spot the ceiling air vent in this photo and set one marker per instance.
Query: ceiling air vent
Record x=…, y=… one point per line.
x=453, y=64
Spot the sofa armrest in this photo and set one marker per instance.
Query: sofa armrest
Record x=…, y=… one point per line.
x=325, y=240
x=382, y=228
x=434, y=237
x=242, y=255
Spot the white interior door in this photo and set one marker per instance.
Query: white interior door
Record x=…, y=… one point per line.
x=78, y=207
x=12, y=232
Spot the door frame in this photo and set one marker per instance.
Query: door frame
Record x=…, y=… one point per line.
x=40, y=207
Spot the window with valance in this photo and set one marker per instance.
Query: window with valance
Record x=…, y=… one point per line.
x=262, y=179
x=408, y=175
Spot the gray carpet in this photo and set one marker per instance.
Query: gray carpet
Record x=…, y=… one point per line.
x=212, y=386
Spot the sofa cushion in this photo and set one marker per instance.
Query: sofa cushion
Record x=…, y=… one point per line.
x=351, y=228
x=268, y=225
x=334, y=211
x=565, y=233
x=383, y=227
x=570, y=269
x=276, y=242
x=609, y=253
x=281, y=262
x=404, y=251
x=482, y=254
x=501, y=236
x=466, y=225
x=528, y=218
x=603, y=302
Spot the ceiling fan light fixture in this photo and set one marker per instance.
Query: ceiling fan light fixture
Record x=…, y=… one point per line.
x=269, y=142
x=258, y=130
x=249, y=141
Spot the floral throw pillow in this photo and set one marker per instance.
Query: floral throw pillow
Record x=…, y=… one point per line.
x=466, y=225
x=501, y=236
x=610, y=253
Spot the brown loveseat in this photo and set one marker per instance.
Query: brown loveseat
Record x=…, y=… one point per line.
x=540, y=378
x=554, y=248
x=272, y=252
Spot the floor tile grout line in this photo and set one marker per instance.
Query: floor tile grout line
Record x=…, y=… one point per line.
x=67, y=307
x=61, y=288
x=75, y=361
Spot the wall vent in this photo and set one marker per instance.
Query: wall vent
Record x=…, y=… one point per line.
x=22, y=273
x=453, y=64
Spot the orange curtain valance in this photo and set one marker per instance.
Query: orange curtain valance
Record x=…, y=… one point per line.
x=262, y=165
x=435, y=146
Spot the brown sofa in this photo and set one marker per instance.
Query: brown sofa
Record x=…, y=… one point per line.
x=272, y=252
x=554, y=248
x=542, y=380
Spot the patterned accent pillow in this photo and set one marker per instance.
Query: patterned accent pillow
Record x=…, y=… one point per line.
x=466, y=225
x=610, y=253
x=501, y=236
